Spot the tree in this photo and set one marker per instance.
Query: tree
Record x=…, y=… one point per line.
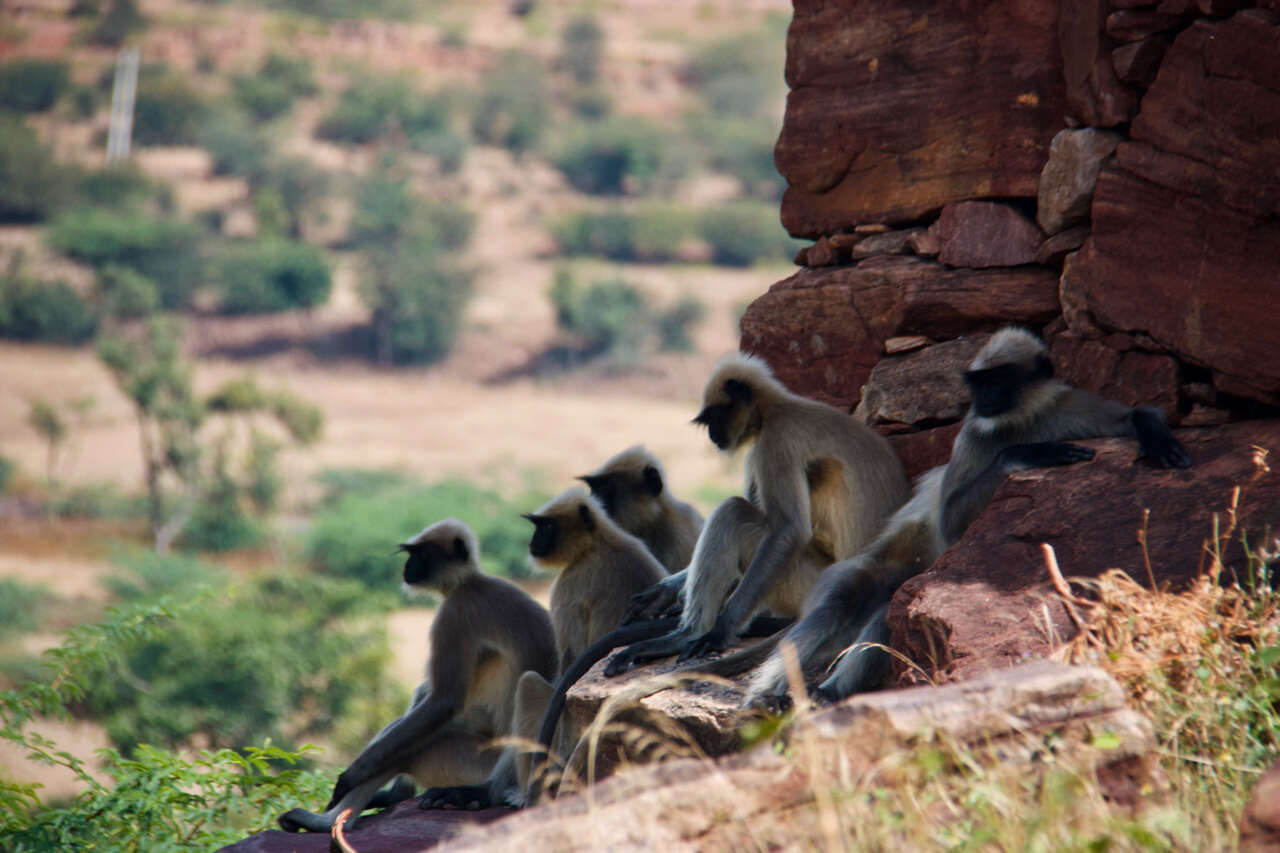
x=44, y=419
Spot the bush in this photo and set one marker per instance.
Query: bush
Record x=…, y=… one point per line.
x=166, y=110
x=7, y=469
x=387, y=213
x=745, y=232
x=238, y=146
x=122, y=20
x=35, y=310
x=742, y=148
x=20, y=606
x=652, y=233
x=221, y=525
x=620, y=154
x=740, y=75
x=447, y=148
x=163, y=250
x=612, y=316
x=272, y=275
x=370, y=105
x=581, y=49
x=514, y=105
x=292, y=71
x=125, y=293
x=32, y=186
x=674, y=325
x=417, y=300
x=355, y=536
x=262, y=97
x=121, y=185
x=348, y=8
x=98, y=500
x=32, y=85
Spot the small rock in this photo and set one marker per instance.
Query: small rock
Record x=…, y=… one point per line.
x=981, y=234
x=922, y=386
x=926, y=242
x=1138, y=62
x=1127, y=25
x=1068, y=179
x=1057, y=247
x=821, y=254
x=905, y=344
x=889, y=243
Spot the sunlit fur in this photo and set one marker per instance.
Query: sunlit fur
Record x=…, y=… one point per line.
x=443, y=533
x=1013, y=345
x=753, y=371
x=486, y=634
x=669, y=527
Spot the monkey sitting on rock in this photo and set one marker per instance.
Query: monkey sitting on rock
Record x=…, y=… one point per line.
x=485, y=636
x=1020, y=417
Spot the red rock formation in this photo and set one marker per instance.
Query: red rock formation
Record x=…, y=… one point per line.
x=984, y=603
x=898, y=109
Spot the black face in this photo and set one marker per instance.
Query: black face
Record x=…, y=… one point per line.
x=607, y=488
x=716, y=419
x=997, y=390
x=546, y=534
x=424, y=562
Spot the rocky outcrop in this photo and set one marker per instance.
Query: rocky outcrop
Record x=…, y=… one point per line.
x=1260, y=824
x=898, y=109
x=987, y=602
x=764, y=799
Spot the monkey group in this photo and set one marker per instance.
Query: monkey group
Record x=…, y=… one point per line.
x=809, y=556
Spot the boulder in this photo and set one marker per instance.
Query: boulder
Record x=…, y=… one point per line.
x=920, y=451
x=1136, y=378
x=739, y=802
x=1068, y=179
x=1138, y=62
x=986, y=234
x=1260, y=823
x=886, y=123
x=822, y=331
x=922, y=386
x=1186, y=217
x=1094, y=92
x=987, y=603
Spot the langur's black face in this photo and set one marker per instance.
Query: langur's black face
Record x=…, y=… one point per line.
x=424, y=563
x=997, y=390
x=546, y=535
x=716, y=419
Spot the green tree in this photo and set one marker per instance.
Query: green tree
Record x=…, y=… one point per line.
x=582, y=48
x=45, y=419
x=32, y=85
x=273, y=275
x=514, y=105
x=32, y=186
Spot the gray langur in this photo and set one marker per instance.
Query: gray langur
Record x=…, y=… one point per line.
x=1020, y=417
x=633, y=490
x=485, y=635
x=819, y=485
x=598, y=567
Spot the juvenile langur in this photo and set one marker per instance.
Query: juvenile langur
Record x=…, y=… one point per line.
x=486, y=633
x=819, y=485
x=633, y=490
x=598, y=567
x=1020, y=418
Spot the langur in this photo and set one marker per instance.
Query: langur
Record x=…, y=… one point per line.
x=1020, y=417
x=486, y=634
x=819, y=486
x=598, y=567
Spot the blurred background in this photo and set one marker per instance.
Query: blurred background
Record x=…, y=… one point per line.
x=364, y=264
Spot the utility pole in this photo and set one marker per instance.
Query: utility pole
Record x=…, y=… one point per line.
x=122, y=95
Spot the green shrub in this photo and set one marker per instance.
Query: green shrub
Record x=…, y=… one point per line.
x=650, y=233
x=514, y=105
x=590, y=102
x=84, y=101
x=387, y=213
x=370, y=105
x=32, y=186
x=163, y=250
x=126, y=293
x=98, y=500
x=121, y=185
x=262, y=97
x=417, y=300
x=7, y=469
x=272, y=275
x=20, y=606
x=293, y=70
x=620, y=154
x=393, y=9
x=35, y=310
x=122, y=20
x=742, y=148
x=581, y=49
x=612, y=316
x=32, y=85
x=355, y=535
x=238, y=146
x=447, y=148
x=675, y=324
x=221, y=525
x=745, y=232
x=740, y=75
x=166, y=110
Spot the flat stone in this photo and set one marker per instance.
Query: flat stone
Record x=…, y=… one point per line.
x=987, y=603
x=924, y=386
x=1137, y=63
x=981, y=234
x=1068, y=179
x=1057, y=247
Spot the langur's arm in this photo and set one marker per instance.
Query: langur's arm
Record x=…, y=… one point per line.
x=654, y=602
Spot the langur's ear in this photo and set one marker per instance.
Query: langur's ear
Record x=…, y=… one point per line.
x=653, y=480
x=738, y=391
x=460, y=548
x=588, y=520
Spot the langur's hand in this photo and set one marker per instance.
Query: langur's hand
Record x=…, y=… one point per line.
x=711, y=642
x=650, y=603
x=622, y=662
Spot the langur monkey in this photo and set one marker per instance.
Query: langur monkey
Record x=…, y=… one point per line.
x=486, y=633
x=633, y=490
x=598, y=567
x=1020, y=418
x=819, y=485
